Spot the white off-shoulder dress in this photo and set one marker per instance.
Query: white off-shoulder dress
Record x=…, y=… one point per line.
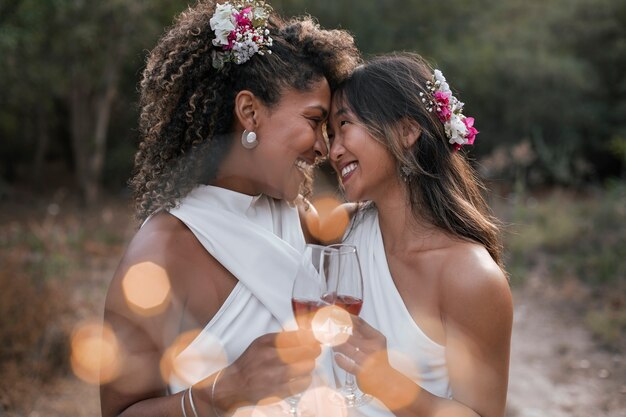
x=411, y=351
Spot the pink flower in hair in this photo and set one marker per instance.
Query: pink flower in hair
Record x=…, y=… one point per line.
x=442, y=106
x=243, y=18
x=471, y=130
x=459, y=129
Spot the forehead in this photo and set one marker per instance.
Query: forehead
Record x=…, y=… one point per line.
x=339, y=105
x=318, y=95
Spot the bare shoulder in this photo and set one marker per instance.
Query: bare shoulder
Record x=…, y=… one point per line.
x=164, y=238
x=163, y=241
x=474, y=290
x=164, y=247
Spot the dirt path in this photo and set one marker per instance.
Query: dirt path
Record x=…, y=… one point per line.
x=556, y=370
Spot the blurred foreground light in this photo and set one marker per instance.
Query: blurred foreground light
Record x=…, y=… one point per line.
x=147, y=288
x=260, y=411
x=331, y=325
x=402, y=394
x=186, y=362
x=322, y=401
x=330, y=221
x=95, y=353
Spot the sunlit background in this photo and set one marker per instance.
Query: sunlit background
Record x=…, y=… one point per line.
x=545, y=80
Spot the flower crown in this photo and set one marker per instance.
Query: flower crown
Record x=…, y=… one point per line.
x=240, y=31
x=459, y=129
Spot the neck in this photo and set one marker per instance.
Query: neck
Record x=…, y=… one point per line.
x=234, y=172
x=400, y=228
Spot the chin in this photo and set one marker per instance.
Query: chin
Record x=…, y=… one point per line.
x=352, y=196
x=291, y=195
x=288, y=193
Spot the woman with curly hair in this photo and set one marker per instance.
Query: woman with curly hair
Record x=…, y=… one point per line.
x=436, y=318
x=233, y=102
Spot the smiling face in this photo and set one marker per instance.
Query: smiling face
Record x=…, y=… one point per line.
x=290, y=139
x=366, y=169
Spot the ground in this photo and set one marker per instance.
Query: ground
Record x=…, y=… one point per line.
x=557, y=369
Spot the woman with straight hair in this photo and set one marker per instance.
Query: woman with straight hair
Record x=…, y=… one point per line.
x=435, y=325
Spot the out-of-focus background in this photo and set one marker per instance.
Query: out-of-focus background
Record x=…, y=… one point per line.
x=545, y=80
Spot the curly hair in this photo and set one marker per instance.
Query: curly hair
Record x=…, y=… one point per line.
x=187, y=105
x=442, y=186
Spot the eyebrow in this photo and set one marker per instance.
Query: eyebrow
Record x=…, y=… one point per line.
x=320, y=108
x=342, y=111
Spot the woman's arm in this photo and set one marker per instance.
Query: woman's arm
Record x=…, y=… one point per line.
x=477, y=310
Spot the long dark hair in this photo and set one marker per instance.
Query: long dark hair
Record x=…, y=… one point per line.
x=187, y=105
x=442, y=186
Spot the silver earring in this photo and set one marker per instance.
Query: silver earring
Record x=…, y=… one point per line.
x=406, y=173
x=248, y=140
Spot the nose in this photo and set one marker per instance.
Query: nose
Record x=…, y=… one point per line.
x=336, y=150
x=320, y=148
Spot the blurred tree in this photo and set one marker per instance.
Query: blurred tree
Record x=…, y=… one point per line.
x=63, y=67
x=547, y=73
x=601, y=48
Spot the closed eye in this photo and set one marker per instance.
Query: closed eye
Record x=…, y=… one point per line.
x=315, y=121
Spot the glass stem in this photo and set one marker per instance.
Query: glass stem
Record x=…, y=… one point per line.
x=350, y=389
x=293, y=405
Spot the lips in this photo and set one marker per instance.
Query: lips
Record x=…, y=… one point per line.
x=348, y=170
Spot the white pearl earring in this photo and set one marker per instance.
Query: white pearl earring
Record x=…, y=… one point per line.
x=248, y=140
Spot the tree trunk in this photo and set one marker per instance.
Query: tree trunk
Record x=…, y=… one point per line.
x=90, y=119
x=82, y=138
x=103, y=117
x=43, y=138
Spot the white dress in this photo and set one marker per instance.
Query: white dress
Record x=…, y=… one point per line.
x=260, y=241
x=412, y=352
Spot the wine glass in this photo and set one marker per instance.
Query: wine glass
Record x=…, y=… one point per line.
x=343, y=270
x=307, y=297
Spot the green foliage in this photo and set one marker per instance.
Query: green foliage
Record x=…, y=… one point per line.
x=53, y=51
x=571, y=236
x=608, y=325
x=550, y=73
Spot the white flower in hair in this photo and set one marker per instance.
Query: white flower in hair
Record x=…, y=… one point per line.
x=244, y=51
x=241, y=31
x=443, y=84
x=222, y=23
x=260, y=13
x=456, y=130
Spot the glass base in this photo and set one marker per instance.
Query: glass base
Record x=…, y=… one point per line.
x=356, y=399
x=350, y=398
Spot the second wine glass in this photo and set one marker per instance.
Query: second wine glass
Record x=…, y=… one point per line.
x=343, y=270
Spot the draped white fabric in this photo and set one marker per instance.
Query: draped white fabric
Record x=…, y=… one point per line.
x=411, y=351
x=257, y=239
